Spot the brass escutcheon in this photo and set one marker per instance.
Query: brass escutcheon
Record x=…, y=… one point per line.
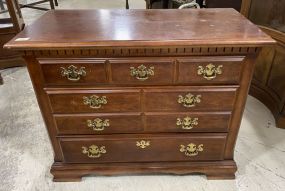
x=95, y=101
x=210, y=71
x=189, y=100
x=187, y=122
x=191, y=149
x=94, y=151
x=72, y=73
x=98, y=124
x=142, y=72
x=143, y=144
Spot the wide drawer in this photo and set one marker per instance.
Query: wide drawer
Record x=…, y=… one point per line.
x=99, y=123
x=210, y=70
x=92, y=101
x=143, y=148
x=188, y=98
x=73, y=71
x=104, y=123
x=187, y=122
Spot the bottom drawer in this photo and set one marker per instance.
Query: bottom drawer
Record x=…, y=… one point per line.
x=143, y=148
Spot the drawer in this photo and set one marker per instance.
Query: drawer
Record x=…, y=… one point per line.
x=211, y=70
x=142, y=71
x=187, y=98
x=94, y=101
x=99, y=123
x=188, y=122
x=73, y=71
x=143, y=148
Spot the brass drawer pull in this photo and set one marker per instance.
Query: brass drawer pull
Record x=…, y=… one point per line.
x=187, y=122
x=72, y=73
x=98, y=124
x=210, y=71
x=191, y=149
x=94, y=151
x=143, y=144
x=142, y=73
x=95, y=101
x=189, y=100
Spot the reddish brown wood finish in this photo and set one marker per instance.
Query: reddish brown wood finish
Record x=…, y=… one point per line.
x=207, y=122
x=162, y=148
x=167, y=99
x=268, y=84
x=163, y=71
x=74, y=172
x=170, y=70
x=231, y=70
x=95, y=71
x=71, y=101
x=10, y=25
x=145, y=110
x=140, y=28
x=76, y=124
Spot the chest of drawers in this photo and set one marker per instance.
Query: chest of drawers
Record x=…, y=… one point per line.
x=133, y=92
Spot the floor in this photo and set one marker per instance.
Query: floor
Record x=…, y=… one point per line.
x=26, y=154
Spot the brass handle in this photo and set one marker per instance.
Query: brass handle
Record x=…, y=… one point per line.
x=143, y=144
x=142, y=72
x=98, y=124
x=210, y=71
x=189, y=100
x=191, y=149
x=94, y=151
x=95, y=101
x=187, y=122
x=72, y=73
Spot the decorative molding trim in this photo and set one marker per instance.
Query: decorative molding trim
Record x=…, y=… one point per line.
x=134, y=52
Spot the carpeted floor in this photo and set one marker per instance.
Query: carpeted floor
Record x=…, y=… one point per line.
x=26, y=154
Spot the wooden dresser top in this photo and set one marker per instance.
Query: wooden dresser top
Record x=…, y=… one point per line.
x=92, y=28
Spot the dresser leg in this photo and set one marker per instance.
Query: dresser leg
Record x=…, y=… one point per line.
x=280, y=122
x=66, y=177
x=1, y=79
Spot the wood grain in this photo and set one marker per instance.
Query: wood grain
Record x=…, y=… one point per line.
x=89, y=28
x=76, y=124
x=107, y=43
x=162, y=148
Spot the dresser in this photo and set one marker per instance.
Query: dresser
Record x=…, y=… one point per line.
x=131, y=92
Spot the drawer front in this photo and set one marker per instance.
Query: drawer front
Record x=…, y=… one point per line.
x=188, y=122
x=190, y=99
x=143, y=148
x=94, y=101
x=99, y=123
x=147, y=71
x=73, y=72
x=211, y=70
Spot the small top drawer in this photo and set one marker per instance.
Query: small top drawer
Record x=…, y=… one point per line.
x=82, y=71
x=73, y=71
x=142, y=71
x=210, y=70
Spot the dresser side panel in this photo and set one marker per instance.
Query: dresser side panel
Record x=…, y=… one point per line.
x=242, y=93
x=43, y=101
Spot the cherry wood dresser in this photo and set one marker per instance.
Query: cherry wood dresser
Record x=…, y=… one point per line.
x=141, y=91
